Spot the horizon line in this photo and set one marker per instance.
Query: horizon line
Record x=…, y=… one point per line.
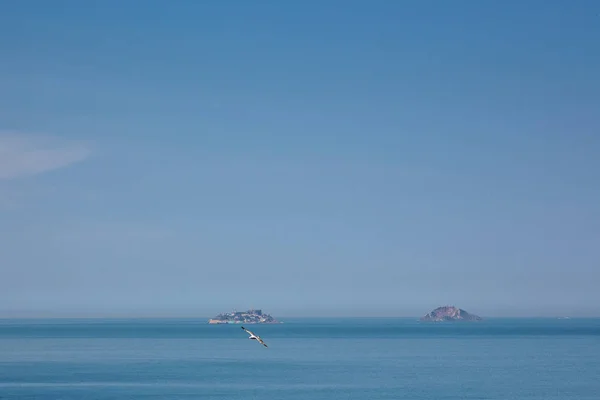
x=279, y=318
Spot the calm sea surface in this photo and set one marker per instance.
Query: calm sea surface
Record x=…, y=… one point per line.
x=365, y=359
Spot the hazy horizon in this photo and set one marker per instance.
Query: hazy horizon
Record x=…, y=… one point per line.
x=386, y=312
x=389, y=157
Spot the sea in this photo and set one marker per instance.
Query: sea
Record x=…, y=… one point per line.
x=307, y=359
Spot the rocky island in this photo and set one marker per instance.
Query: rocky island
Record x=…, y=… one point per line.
x=450, y=313
x=244, y=317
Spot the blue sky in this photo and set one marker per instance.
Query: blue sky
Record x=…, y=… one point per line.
x=307, y=158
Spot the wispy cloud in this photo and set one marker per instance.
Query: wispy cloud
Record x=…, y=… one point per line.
x=23, y=155
x=116, y=232
x=9, y=199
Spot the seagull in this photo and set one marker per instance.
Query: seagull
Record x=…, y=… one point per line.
x=255, y=337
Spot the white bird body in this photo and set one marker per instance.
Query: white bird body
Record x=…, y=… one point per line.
x=254, y=337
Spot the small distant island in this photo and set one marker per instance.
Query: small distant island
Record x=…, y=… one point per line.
x=450, y=313
x=244, y=317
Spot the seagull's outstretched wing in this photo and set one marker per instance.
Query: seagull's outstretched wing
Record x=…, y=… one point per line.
x=250, y=332
x=253, y=336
